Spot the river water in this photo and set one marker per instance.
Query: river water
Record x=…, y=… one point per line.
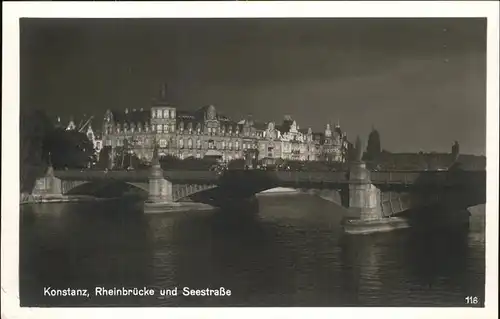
x=290, y=253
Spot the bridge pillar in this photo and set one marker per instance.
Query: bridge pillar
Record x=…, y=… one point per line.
x=364, y=197
x=48, y=186
x=160, y=189
x=365, y=209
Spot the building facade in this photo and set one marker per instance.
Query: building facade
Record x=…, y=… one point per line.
x=206, y=133
x=335, y=145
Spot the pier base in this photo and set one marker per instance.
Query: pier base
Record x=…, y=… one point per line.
x=171, y=207
x=358, y=226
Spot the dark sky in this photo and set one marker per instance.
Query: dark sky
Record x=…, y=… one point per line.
x=420, y=82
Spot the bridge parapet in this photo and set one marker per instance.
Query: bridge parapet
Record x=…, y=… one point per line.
x=138, y=176
x=312, y=177
x=202, y=177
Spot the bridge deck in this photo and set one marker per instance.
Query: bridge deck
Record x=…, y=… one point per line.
x=286, y=177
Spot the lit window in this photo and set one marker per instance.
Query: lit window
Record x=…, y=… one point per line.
x=159, y=128
x=190, y=143
x=158, y=114
x=181, y=143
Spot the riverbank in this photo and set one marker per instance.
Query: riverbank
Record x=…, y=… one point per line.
x=279, y=191
x=175, y=207
x=149, y=207
x=42, y=199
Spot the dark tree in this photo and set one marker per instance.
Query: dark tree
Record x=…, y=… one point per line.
x=104, y=158
x=373, y=147
x=358, y=149
x=237, y=163
x=169, y=162
x=455, y=151
x=350, y=152
x=34, y=128
x=69, y=149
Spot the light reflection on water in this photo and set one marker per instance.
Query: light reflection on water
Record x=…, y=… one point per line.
x=291, y=253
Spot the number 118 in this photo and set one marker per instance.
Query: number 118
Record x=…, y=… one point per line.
x=472, y=300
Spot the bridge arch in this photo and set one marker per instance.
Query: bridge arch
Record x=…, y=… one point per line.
x=111, y=187
x=119, y=187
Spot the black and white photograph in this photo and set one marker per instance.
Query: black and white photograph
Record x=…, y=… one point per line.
x=253, y=161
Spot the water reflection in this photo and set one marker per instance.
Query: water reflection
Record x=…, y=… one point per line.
x=291, y=252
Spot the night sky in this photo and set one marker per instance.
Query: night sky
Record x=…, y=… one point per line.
x=420, y=82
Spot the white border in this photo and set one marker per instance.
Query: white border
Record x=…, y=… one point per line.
x=10, y=140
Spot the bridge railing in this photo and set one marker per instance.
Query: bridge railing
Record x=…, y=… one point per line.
x=408, y=178
x=139, y=175
x=195, y=176
x=312, y=177
x=427, y=177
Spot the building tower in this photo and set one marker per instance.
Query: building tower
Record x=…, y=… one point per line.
x=71, y=125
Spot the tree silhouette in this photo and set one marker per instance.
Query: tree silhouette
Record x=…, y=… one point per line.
x=69, y=149
x=34, y=128
x=455, y=151
x=358, y=149
x=104, y=158
x=373, y=148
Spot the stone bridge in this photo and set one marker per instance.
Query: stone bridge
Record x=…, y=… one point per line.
x=393, y=191
x=163, y=187
x=370, y=197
